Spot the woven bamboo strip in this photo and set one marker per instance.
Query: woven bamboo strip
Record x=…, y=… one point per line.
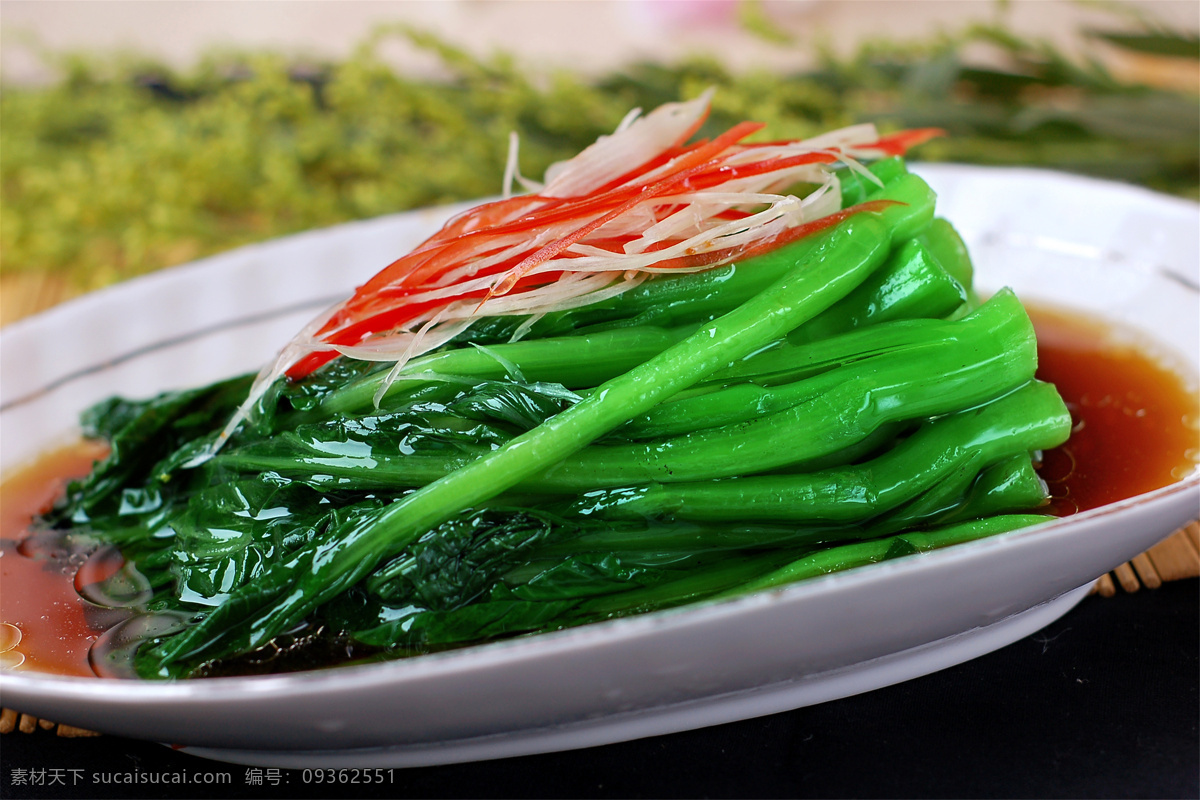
x=1175, y=558
x=24, y=294
x=1144, y=567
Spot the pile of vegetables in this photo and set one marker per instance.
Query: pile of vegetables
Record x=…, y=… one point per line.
x=123, y=166
x=670, y=372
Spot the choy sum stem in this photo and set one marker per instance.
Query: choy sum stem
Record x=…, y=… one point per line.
x=286, y=593
x=727, y=413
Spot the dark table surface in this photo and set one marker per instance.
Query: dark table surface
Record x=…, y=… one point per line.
x=1103, y=703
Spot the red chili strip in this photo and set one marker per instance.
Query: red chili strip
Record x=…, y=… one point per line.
x=897, y=144
x=692, y=162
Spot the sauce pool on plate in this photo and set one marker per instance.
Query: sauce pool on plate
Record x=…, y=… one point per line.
x=55, y=626
x=1136, y=422
x=1136, y=430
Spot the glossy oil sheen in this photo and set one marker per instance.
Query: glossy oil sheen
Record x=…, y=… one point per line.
x=1135, y=421
x=37, y=572
x=1135, y=431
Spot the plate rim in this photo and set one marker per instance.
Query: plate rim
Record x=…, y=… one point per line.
x=120, y=693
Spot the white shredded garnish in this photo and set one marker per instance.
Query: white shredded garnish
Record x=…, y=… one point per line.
x=510, y=367
x=568, y=244
x=442, y=335
x=510, y=165
x=627, y=148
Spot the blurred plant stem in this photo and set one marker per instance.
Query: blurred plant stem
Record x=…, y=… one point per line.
x=124, y=166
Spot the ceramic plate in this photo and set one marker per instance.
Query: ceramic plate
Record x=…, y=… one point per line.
x=1113, y=251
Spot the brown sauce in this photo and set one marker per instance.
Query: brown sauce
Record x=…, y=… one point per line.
x=1136, y=428
x=37, y=588
x=1136, y=422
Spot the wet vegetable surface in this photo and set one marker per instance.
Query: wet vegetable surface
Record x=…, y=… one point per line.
x=858, y=404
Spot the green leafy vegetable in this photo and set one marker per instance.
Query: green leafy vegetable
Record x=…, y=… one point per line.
x=834, y=402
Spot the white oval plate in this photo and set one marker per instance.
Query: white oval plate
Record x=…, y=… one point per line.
x=1115, y=251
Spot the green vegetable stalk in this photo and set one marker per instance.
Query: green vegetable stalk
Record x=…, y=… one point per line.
x=834, y=402
x=324, y=569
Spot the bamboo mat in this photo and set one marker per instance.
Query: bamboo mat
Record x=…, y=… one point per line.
x=1175, y=558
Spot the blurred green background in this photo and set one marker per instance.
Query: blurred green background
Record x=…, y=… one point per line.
x=119, y=164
